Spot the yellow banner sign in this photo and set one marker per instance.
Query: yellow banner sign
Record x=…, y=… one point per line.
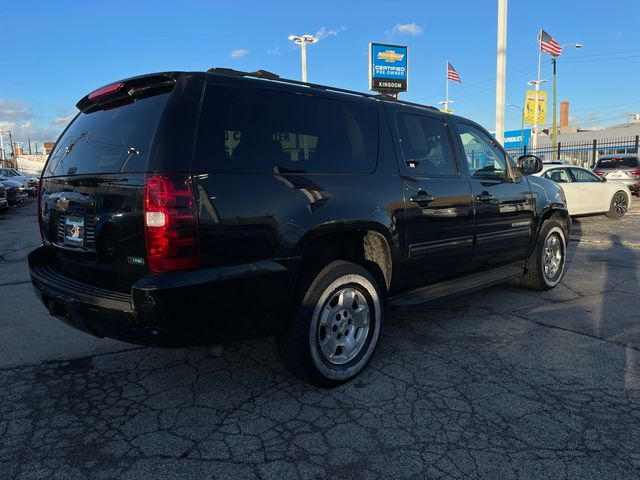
x=530, y=107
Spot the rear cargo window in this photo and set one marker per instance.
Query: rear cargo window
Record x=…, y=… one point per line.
x=622, y=162
x=108, y=141
x=244, y=130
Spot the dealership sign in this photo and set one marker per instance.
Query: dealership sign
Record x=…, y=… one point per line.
x=517, y=138
x=387, y=68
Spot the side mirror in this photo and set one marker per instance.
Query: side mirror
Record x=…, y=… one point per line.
x=603, y=179
x=529, y=164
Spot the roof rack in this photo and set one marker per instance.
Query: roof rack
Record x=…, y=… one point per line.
x=266, y=75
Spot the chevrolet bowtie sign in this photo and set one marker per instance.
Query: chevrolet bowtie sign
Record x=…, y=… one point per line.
x=387, y=68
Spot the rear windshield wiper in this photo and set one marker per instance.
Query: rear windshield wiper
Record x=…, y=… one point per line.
x=67, y=150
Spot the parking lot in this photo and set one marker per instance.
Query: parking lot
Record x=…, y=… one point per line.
x=503, y=383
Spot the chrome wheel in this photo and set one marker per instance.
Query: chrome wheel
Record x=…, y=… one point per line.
x=553, y=255
x=620, y=204
x=343, y=326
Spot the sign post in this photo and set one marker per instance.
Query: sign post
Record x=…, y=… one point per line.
x=388, y=72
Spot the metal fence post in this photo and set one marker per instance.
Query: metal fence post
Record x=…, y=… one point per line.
x=558, y=155
x=637, y=138
x=594, y=152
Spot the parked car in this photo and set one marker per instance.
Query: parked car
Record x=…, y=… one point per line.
x=15, y=191
x=191, y=208
x=29, y=183
x=4, y=204
x=624, y=168
x=587, y=193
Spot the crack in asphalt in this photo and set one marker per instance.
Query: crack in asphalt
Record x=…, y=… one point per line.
x=10, y=284
x=578, y=332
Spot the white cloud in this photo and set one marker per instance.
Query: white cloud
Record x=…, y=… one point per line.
x=407, y=29
x=273, y=51
x=18, y=118
x=324, y=33
x=62, y=121
x=239, y=53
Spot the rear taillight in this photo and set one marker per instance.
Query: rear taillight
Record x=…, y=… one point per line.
x=171, y=223
x=598, y=172
x=635, y=172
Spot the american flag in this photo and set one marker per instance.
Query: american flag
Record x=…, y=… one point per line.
x=548, y=44
x=452, y=74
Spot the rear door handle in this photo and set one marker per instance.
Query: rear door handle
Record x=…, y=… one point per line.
x=422, y=197
x=485, y=197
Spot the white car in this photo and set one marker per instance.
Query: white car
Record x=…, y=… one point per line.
x=586, y=192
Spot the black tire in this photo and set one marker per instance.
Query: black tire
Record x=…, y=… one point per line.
x=619, y=205
x=546, y=265
x=324, y=322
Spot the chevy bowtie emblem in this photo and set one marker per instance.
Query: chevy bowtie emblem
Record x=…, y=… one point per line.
x=62, y=204
x=390, y=56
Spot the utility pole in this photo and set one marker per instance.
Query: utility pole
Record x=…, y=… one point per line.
x=501, y=69
x=554, y=59
x=13, y=152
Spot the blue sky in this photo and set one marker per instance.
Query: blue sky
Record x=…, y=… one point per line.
x=56, y=52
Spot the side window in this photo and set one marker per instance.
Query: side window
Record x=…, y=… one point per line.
x=425, y=145
x=256, y=131
x=484, y=158
x=583, y=176
x=558, y=175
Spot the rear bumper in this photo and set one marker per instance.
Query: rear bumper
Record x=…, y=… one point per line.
x=203, y=306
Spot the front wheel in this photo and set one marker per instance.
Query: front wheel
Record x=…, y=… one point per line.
x=332, y=338
x=546, y=265
x=619, y=205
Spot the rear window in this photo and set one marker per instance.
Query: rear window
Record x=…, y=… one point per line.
x=620, y=162
x=255, y=131
x=108, y=141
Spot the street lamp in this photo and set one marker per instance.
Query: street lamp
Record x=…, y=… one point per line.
x=302, y=41
x=521, y=123
x=554, y=130
x=536, y=84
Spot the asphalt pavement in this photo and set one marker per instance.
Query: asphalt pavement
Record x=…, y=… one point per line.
x=502, y=383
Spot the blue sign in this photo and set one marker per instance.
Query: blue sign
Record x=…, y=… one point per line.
x=388, y=71
x=517, y=138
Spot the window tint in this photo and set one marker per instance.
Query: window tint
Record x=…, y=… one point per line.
x=484, y=158
x=584, y=176
x=425, y=145
x=618, y=162
x=558, y=175
x=244, y=130
x=108, y=141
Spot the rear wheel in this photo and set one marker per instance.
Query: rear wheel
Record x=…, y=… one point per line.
x=546, y=265
x=619, y=205
x=332, y=338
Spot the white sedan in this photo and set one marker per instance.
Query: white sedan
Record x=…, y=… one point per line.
x=587, y=193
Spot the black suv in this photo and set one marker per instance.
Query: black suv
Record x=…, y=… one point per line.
x=191, y=208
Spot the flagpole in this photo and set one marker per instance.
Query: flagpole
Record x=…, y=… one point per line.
x=446, y=79
x=537, y=89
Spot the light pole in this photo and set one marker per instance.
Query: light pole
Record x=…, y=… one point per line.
x=302, y=41
x=536, y=84
x=554, y=130
x=501, y=69
x=521, y=123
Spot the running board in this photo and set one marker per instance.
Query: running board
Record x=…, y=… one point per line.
x=475, y=281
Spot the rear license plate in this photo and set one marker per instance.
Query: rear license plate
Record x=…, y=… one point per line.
x=615, y=175
x=74, y=231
